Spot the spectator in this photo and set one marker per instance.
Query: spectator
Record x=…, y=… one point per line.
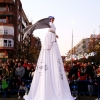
x=82, y=74
x=78, y=65
x=13, y=87
x=73, y=70
x=22, y=90
x=7, y=73
x=31, y=74
x=9, y=65
x=90, y=85
x=67, y=69
x=5, y=87
x=89, y=70
x=17, y=60
x=4, y=68
x=26, y=64
x=27, y=72
x=94, y=70
x=22, y=62
x=73, y=86
x=20, y=71
x=98, y=79
x=95, y=86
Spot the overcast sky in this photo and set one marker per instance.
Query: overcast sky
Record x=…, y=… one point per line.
x=84, y=13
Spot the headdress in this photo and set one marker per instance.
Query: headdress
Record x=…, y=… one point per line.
x=50, y=17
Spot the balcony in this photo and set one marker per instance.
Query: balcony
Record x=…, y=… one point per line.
x=5, y=13
x=24, y=24
x=7, y=36
x=7, y=30
x=7, y=1
x=2, y=9
x=6, y=24
x=6, y=43
x=8, y=48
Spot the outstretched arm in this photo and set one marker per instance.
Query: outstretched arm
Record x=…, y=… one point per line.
x=57, y=36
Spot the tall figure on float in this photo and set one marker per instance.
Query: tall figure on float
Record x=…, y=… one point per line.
x=49, y=82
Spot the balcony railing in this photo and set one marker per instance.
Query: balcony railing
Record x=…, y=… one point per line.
x=2, y=9
x=7, y=1
x=5, y=13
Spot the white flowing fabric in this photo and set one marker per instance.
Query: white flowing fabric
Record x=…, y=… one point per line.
x=49, y=82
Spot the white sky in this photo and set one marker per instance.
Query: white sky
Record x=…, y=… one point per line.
x=84, y=13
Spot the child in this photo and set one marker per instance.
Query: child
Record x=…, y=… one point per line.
x=31, y=74
x=74, y=86
x=22, y=90
x=90, y=85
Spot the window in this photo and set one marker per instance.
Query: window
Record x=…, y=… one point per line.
x=1, y=31
x=5, y=43
x=3, y=20
x=19, y=17
x=19, y=37
x=21, y=29
x=18, y=27
x=2, y=8
x=83, y=41
x=9, y=43
x=83, y=46
x=0, y=42
x=5, y=32
x=18, y=7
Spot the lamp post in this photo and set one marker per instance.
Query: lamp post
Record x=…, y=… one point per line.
x=72, y=46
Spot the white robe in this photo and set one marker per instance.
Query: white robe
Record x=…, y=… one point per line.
x=49, y=81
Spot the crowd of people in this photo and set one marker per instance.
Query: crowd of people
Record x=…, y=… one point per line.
x=16, y=76
x=84, y=78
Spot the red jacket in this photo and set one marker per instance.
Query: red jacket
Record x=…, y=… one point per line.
x=26, y=64
x=82, y=77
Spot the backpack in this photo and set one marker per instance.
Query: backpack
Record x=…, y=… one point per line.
x=4, y=84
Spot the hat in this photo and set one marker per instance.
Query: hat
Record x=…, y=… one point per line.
x=50, y=17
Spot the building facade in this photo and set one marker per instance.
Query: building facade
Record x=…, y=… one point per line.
x=82, y=46
x=94, y=40
x=12, y=22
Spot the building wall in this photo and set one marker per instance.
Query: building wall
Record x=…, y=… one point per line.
x=82, y=46
x=12, y=22
x=6, y=30
x=94, y=40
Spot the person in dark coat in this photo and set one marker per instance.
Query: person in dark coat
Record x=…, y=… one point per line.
x=89, y=70
x=98, y=79
x=73, y=70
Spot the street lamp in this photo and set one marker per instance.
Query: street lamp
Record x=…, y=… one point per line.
x=72, y=45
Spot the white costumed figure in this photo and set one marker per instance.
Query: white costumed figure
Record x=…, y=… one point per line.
x=49, y=81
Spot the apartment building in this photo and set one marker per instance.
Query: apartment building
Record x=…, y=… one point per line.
x=94, y=40
x=12, y=21
x=82, y=46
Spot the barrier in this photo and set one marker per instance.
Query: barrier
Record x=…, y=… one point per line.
x=77, y=87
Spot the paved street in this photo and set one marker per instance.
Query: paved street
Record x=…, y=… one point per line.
x=79, y=98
